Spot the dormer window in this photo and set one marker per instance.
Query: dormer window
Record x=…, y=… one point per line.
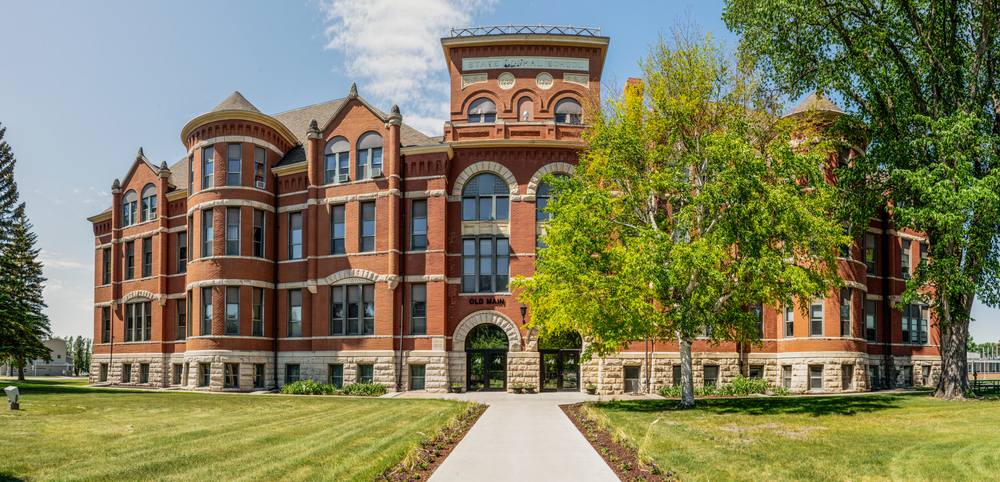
x=569, y=111
x=369, y=156
x=129, y=208
x=482, y=111
x=148, y=203
x=338, y=160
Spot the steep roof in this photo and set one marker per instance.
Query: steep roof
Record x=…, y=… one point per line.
x=298, y=120
x=817, y=102
x=236, y=101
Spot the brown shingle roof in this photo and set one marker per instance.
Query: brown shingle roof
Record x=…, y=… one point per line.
x=236, y=101
x=818, y=102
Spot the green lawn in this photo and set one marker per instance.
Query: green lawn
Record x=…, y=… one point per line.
x=76, y=433
x=859, y=438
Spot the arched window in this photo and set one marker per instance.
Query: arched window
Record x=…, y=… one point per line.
x=148, y=203
x=338, y=160
x=525, y=109
x=569, y=111
x=129, y=208
x=542, y=199
x=369, y=156
x=485, y=198
x=482, y=110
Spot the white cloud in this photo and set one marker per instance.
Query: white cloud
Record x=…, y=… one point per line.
x=54, y=260
x=395, y=50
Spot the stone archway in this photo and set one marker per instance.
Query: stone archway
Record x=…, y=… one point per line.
x=479, y=317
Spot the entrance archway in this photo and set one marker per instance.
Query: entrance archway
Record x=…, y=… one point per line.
x=486, y=358
x=559, y=361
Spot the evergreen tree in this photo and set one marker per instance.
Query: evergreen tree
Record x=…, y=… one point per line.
x=25, y=325
x=8, y=189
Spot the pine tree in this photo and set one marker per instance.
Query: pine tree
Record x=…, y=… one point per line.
x=8, y=189
x=23, y=285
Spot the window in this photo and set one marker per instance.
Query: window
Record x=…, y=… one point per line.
x=677, y=375
x=485, y=198
x=338, y=160
x=138, y=321
x=789, y=322
x=295, y=313
x=418, y=225
x=816, y=377
x=232, y=310
x=871, y=320
x=190, y=234
x=871, y=253
x=873, y=381
x=786, y=377
x=182, y=253
x=258, y=233
x=291, y=374
x=417, y=377
x=129, y=209
x=259, y=163
x=104, y=372
x=206, y=311
x=207, y=167
x=257, y=312
x=207, y=229
x=234, y=156
x=925, y=379
x=525, y=109
x=144, y=373
x=258, y=375
x=845, y=250
x=914, y=324
x=335, y=376
x=106, y=320
x=542, y=197
x=847, y=376
x=180, y=306
x=369, y=156
x=130, y=260
x=148, y=204
x=127, y=373
x=366, y=373
x=845, y=312
x=190, y=175
x=295, y=235
x=204, y=374
x=756, y=371
x=485, y=265
x=190, y=299
x=106, y=278
x=232, y=231
x=908, y=376
x=758, y=312
x=147, y=257
x=482, y=110
x=178, y=373
x=418, y=309
x=569, y=111
x=352, y=309
x=338, y=230
x=816, y=318
x=367, y=242
x=232, y=374
x=711, y=375
x=923, y=252
x=904, y=261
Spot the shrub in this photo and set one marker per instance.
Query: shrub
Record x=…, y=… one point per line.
x=364, y=389
x=308, y=387
x=740, y=387
x=670, y=392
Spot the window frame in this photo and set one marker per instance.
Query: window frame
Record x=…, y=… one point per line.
x=871, y=318
x=418, y=309
x=293, y=217
x=236, y=175
x=706, y=378
x=147, y=209
x=484, y=117
x=414, y=377
x=786, y=377
x=258, y=233
x=257, y=312
x=495, y=258
x=176, y=373
x=293, y=322
x=182, y=252
x=147, y=257
x=233, y=226
x=143, y=373
x=232, y=323
x=130, y=261
x=418, y=236
x=259, y=375
x=871, y=254
x=846, y=312
x=207, y=312
x=365, y=367
x=905, y=259
x=476, y=200
x=126, y=373
x=231, y=375
x=180, y=317
x=365, y=162
x=788, y=322
x=207, y=167
x=338, y=244
x=106, y=261
x=817, y=322
x=572, y=119
x=106, y=324
x=204, y=374
x=814, y=379
x=207, y=233
x=335, y=375
x=341, y=163
x=366, y=235
x=259, y=164
x=288, y=373
x=365, y=325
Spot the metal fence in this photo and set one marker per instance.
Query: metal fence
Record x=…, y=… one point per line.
x=525, y=29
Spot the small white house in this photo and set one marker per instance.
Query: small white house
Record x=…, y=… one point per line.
x=61, y=364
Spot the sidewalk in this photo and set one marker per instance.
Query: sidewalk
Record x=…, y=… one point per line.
x=523, y=438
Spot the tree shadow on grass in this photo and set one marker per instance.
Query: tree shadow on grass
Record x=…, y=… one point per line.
x=10, y=477
x=814, y=406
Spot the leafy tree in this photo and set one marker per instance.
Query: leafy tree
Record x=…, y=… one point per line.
x=81, y=348
x=689, y=204
x=921, y=76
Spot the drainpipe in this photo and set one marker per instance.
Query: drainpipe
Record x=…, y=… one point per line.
x=274, y=302
x=647, y=364
x=402, y=269
x=887, y=307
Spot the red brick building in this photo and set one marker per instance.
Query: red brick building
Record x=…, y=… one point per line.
x=336, y=243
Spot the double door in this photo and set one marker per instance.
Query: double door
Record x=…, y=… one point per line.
x=487, y=370
x=560, y=369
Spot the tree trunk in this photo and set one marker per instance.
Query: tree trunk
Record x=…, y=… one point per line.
x=20, y=370
x=954, y=382
x=687, y=373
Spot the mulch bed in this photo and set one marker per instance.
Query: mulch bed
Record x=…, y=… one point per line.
x=433, y=450
x=619, y=456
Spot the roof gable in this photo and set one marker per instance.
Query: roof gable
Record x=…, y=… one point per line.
x=140, y=159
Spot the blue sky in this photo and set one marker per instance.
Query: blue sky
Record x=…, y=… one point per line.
x=84, y=85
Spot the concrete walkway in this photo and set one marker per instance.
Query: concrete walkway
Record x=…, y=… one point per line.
x=523, y=438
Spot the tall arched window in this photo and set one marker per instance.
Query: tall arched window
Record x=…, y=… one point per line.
x=129, y=208
x=525, y=109
x=338, y=160
x=485, y=198
x=542, y=199
x=369, y=156
x=148, y=203
x=482, y=110
x=569, y=111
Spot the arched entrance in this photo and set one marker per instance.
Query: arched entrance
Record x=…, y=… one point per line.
x=486, y=358
x=559, y=357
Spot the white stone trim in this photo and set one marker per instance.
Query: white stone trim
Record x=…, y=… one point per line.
x=293, y=193
x=178, y=229
x=229, y=202
x=425, y=194
x=425, y=278
x=228, y=282
x=252, y=140
x=551, y=168
x=480, y=167
x=369, y=196
x=856, y=285
x=138, y=294
x=908, y=237
x=486, y=316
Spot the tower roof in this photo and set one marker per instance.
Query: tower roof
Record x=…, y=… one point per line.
x=818, y=102
x=236, y=102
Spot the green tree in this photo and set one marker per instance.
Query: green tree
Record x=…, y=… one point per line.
x=8, y=189
x=21, y=281
x=81, y=348
x=921, y=78
x=689, y=204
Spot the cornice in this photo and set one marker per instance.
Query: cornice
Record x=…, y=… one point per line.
x=488, y=143
x=415, y=150
x=601, y=43
x=231, y=114
x=101, y=217
x=290, y=169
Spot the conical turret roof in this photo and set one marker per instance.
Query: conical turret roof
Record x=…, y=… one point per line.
x=818, y=102
x=236, y=102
